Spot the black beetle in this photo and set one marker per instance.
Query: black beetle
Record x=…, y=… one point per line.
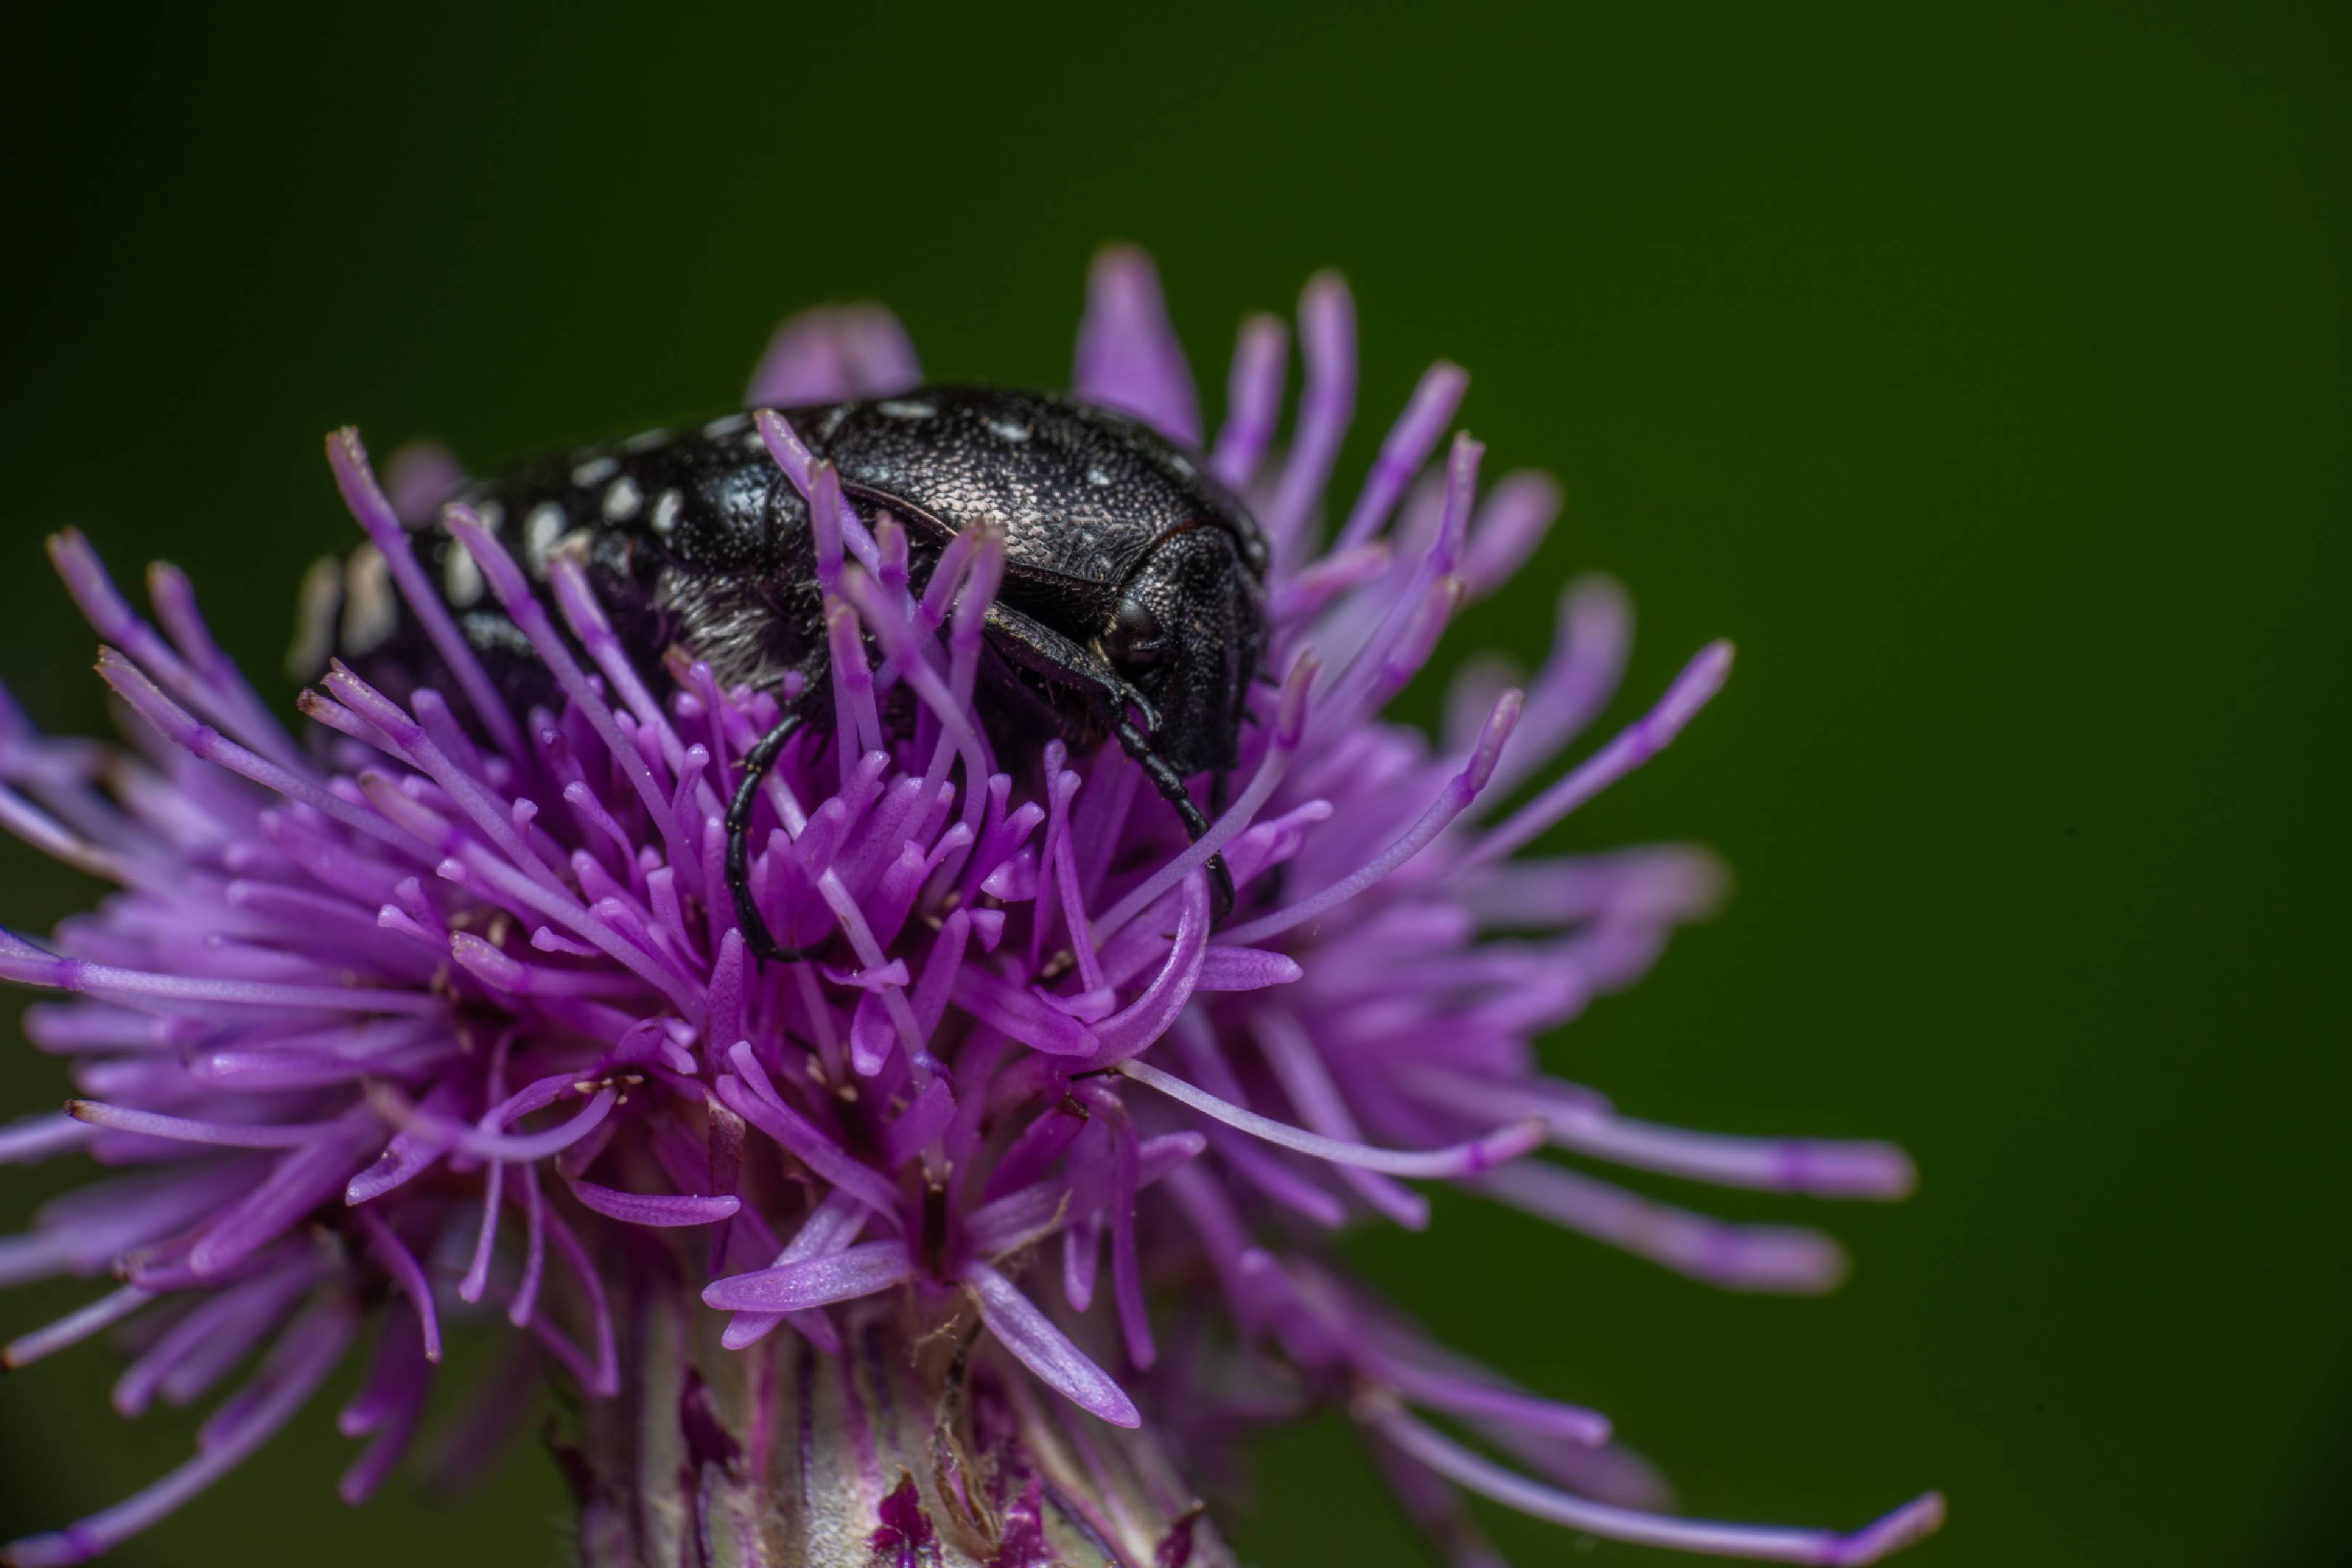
x=1133, y=585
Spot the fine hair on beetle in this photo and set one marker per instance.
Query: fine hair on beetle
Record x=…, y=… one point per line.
x=1131, y=608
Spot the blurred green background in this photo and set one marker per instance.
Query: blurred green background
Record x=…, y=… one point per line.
x=1981, y=369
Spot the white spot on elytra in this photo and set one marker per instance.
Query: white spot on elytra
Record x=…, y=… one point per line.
x=666, y=511
x=461, y=580
x=832, y=422
x=595, y=472
x=621, y=499
x=492, y=514
x=1008, y=430
x=1181, y=464
x=541, y=529
x=645, y=441
x=369, y=613
x=726, y=425
x=1096, y=477
x=904, y=408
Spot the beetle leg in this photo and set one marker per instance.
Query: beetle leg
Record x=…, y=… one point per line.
x=1058, y=659
x=1136, y=744
x=756, y=763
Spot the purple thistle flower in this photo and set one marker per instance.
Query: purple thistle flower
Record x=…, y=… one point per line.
x=443, y=1014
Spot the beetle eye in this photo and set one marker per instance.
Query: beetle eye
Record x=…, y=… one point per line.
x=1134, y=635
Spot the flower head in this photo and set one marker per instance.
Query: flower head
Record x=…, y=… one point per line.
x=443, y=1011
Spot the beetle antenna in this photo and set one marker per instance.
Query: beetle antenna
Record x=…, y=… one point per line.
x=1137, y=745
x=756, y=763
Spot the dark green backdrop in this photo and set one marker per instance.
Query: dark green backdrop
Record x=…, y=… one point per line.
x=1982, y=370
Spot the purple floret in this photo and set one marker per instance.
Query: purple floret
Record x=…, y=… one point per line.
x=441, y=1014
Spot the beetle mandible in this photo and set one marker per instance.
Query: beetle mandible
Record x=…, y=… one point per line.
x=1132, y=606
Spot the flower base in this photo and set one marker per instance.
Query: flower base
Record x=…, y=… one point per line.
x=911, y=1448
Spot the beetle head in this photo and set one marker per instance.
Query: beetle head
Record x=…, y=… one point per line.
x=1190, y=633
